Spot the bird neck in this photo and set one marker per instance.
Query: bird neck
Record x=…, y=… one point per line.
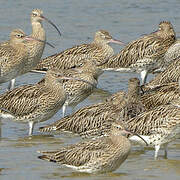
x=133, y=94
x=165, y=35
x=117, y=138
x=38, y=31
x=52, y=83
x=36, y=48
x=17, y=45
x=103, y=45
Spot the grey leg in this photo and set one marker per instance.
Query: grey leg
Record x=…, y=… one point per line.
x=64, y=109
x=165, y=150
x=157, y=147
x=31, y=127
x=144, y=74
x=11, y=84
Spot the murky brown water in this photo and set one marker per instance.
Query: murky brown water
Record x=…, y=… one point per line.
x=78, y=20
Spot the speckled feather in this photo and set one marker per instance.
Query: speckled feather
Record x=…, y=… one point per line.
x=102, y=155
x=77, y=91
x=160, y=95
x=170, y=74
x=98, y=50
x=13, y=55
x=144, y=51
x=30, y=102
x=96, y=120
x=158, y=120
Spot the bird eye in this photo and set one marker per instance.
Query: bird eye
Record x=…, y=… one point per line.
x=160, y=28
x=19, y=35
x=34, y=14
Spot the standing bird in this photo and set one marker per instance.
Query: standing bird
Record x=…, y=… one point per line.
x=36, y=48
x=145, y=54
x=34, y=103
x=102, y=155
x=14, y=54
x=97, y=119
x=98, y=50
x=157, y=127
x=77, y=91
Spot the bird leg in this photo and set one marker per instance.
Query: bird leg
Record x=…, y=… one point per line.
x=157, y=147
x=31, y=127
x=165, y=150
x=64, y=109
x=11, y=84
x=144, y=76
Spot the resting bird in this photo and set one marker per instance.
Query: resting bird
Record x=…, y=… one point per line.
x=103, y=155
x=34, y=103
x=98, y=50
x=77, y=91
x=96, y=120
x=145, y=54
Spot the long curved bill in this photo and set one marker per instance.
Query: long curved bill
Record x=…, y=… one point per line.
x=50, y=22
x=132, y=133
x=116, y=41
x=30, y=38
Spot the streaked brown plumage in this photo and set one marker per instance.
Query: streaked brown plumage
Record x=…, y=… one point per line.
x=145, y=54
x=98, y=50
x=173, y=52
x=13, y=55
x=35, y=48
x=161, y=95
x=33, y=103
x=77, y=91
x=96, y=120
x=169, y=75
x=102, y=155
x=157, y=127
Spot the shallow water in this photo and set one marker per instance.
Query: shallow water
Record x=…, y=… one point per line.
x=78, y=20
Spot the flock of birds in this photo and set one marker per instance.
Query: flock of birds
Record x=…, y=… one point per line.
x=148, y=114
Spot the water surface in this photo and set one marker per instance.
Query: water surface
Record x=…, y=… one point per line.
x=78, y=21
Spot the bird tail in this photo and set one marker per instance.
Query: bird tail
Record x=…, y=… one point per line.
x=48, y=128
x=45, y=157
x=4, y=112
x=64, y=124
x=53, y=156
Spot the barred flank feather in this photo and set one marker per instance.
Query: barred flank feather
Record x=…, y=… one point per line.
x=169, y=75
x=98, y=50
x=160, y=95
x=145, y=51
x=98, y=118
x=102, y=155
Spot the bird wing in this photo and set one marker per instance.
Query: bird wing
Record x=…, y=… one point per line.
x=22, y=100
x=142, y=50
x=146, y=123
x=6, y=53
x=79, y=154
x=83, y=120
x=160, y=95
x=171, y=74
x=69, y=58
